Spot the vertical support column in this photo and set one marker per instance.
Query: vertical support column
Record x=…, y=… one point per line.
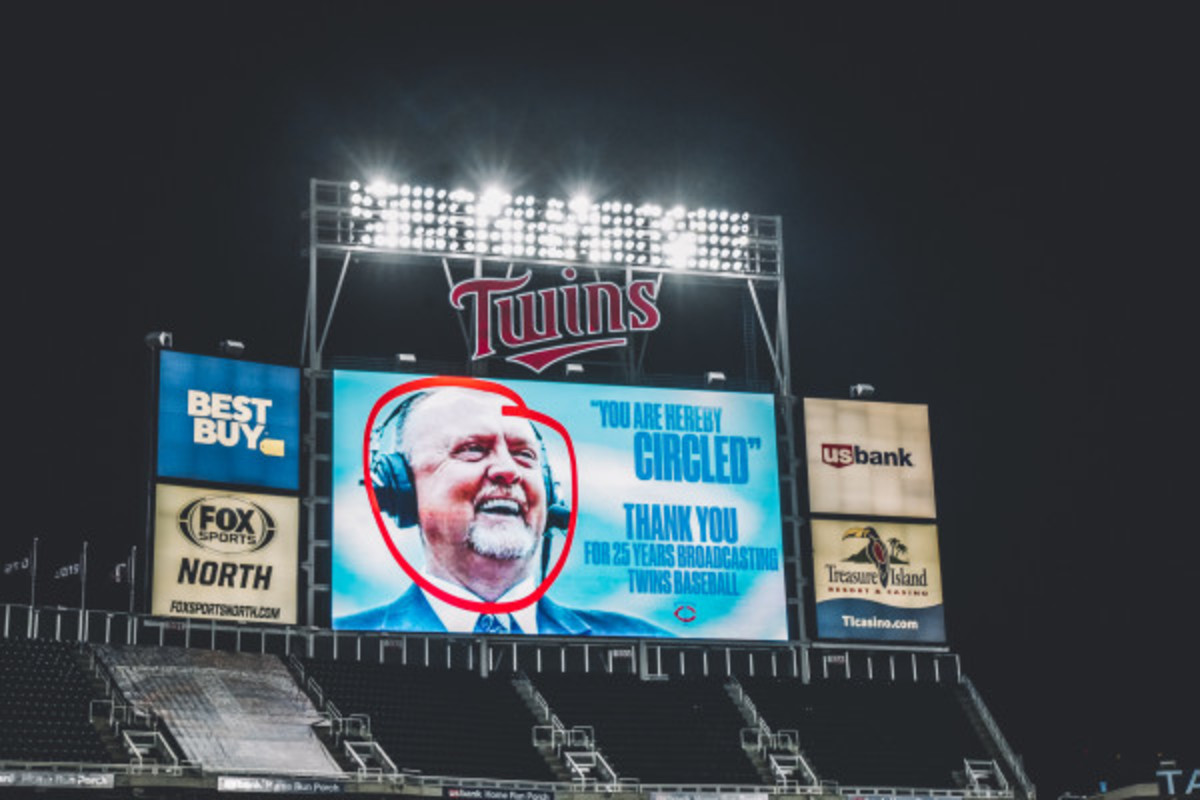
x=476, y=367
x=151, y=492
x=630, y=367
x=788, y=412
x=312, y=501
x=313, y=364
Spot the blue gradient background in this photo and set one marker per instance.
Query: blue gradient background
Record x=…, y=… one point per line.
x=180, y=457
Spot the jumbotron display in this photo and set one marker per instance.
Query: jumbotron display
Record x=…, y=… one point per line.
x=544, y=508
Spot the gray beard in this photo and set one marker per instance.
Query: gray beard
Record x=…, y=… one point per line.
x=509, y=543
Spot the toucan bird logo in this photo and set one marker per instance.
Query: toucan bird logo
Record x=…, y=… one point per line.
x=875, y=552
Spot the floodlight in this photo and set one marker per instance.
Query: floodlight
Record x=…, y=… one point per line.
x=231, y=348
x=496, y=223
x=680, y=250
x=160, y=340
x=714, y=378
x=574, y=368
x=862, y=391
x=406, y=358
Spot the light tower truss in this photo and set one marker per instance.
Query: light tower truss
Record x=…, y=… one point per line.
x=428, y=228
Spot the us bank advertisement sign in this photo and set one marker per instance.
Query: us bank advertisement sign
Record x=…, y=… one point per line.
x=558, y=509
x=879, y=581
x=869, y=458
x=225, y=555
x=228, y=421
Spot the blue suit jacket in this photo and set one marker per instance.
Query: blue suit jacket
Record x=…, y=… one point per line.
x=411, y=612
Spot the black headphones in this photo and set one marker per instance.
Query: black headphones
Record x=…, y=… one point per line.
x=392, y=479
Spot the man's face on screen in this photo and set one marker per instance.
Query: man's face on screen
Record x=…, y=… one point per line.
x=481, y=495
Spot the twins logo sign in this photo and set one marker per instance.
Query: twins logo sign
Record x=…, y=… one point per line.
x=574, y=318
x=228, y=421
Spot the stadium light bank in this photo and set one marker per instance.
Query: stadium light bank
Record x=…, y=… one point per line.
x=380, y=216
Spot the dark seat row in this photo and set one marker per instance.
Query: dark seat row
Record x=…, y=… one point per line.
x=873, y=733
x=439, y=722
x=682, y=730
x=44, y=704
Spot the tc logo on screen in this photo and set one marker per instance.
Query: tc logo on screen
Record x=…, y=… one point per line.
x=228, y=421
x=847, y=455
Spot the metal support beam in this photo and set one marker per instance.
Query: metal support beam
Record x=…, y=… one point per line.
x=337, y=293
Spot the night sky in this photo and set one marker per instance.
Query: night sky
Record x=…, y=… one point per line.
x=989, y=208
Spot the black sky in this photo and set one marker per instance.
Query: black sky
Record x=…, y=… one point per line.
x=987, y=208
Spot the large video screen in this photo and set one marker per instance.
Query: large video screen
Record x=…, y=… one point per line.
x=877, y=581
x=554, y=509
x=869, y=458
x=228, y=421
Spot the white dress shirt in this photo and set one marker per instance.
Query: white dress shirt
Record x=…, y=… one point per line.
x=460, y=620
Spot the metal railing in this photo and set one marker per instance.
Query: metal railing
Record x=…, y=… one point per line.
x=352, y=732
x=575, y=747
x=779, y=750
x=989, y=723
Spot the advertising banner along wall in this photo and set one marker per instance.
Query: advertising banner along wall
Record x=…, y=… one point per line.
x=877, y=581
x=228, y=421
x=869, y=458
x=225, y=555
x=556, y=509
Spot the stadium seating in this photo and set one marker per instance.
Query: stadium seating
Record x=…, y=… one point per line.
x=226, y=710
x=238, y=712
x=44, y=700
x=872, y=733
x=439, y=722
x=683, y=730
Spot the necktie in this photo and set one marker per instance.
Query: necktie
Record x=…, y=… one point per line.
x=490, y=623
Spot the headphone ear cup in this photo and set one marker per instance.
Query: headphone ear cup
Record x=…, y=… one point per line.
x=548, y=479
x=394, y=490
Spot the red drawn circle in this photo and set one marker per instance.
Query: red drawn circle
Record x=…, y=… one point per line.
x=686, y=613
x=518, y=409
